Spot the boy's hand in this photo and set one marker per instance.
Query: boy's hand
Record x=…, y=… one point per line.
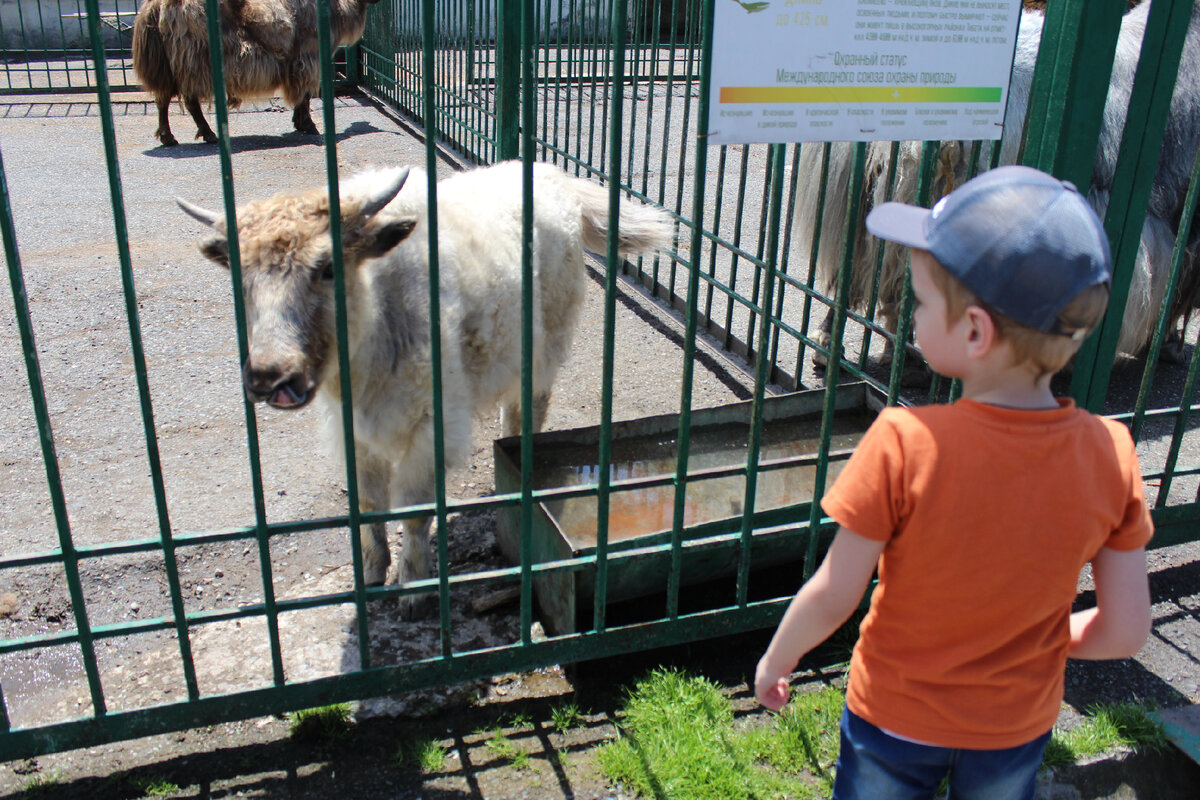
x=771, y=690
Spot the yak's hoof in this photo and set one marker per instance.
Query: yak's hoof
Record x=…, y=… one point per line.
x=308, y=128
x=167, y=139
x=417, y=607
x=208, y=136
x=1172, y=350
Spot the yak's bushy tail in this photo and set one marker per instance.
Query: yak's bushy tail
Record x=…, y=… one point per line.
x=641, y=229
x=149, y=53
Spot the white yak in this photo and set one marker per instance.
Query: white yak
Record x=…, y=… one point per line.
x=293, y=358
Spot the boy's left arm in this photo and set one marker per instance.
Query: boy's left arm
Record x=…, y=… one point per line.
x=823, y=603
x=1119, y=623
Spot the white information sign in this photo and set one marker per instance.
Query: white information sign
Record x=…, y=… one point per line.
x=860, y=70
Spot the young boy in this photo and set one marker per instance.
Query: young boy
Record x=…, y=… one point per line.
x=980, y=514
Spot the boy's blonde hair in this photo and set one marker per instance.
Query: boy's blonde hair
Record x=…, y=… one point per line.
x=1046, y=353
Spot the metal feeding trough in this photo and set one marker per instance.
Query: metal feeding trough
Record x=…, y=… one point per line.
x=642, y=517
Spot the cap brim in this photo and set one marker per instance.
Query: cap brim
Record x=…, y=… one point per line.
x=899, y=222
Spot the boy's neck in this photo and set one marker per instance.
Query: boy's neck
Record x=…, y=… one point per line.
x=1010, y=386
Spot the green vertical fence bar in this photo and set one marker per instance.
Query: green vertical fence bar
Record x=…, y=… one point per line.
x=528, y=109
x=835, y=360
x=1164, y=319
x=68, y=556
x=116, y=196
x=693, y=295
x=262, y=534
x=343, y=339
x=435, y=327
x=1181, y=426
x=785, y=248
x=1069, y=86
x=904, y=327
x=814, y=248
x=762, y=370
x=612, y=265
x=508, y=78
x=1141, y=143
x=873, y=301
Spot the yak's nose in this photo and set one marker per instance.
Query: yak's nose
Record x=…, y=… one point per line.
x=279, y=386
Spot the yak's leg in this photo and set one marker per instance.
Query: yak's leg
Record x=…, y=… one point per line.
x=416, y=563
x=163, y=134
x=373, y=493
x=823, y=338
x=192, y=104
x=510, y=415
x=916, y=372
x=302, y=117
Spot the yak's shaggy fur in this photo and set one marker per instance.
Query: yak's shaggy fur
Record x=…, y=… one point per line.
x=1153, y=262
x=293, y=357
x=268, y=46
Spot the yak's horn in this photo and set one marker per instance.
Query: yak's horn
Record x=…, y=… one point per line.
x=203, y=215
x=375, y=201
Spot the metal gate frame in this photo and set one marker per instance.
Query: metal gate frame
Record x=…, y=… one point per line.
x=1065, y=97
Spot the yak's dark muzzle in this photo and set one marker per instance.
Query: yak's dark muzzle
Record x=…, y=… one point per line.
x=278, y=388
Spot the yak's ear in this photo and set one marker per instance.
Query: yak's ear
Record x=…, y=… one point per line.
x=216, y=249
x=383, y=238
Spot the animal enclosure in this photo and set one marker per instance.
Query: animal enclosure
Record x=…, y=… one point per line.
x=187, y=523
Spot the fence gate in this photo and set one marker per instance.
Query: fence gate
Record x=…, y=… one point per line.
x=113, y=577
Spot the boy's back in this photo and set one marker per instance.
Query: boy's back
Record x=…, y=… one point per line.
x=989, y=514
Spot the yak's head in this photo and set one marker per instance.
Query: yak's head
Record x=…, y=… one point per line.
x=286, y=258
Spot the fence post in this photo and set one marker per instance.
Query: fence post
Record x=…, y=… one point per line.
x=1069, y=87
x=1137, y=163
x=508, y=79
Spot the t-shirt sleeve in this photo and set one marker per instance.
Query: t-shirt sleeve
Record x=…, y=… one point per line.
x=868, y=496
x=1136, y=526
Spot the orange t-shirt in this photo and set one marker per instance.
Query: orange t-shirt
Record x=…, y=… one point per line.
x=989, y=514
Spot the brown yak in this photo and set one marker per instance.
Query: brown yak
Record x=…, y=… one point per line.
x=268, y=45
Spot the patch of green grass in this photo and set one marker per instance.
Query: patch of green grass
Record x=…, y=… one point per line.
x=154, y=787
x=1106, y=727
x=565, y=717
x=427, y=755
x=522, y=720
x=321, y=724
x=678, y=740
x=42, y=782
x=804, y=737
x=504, y=749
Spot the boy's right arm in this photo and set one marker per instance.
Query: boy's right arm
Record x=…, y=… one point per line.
x=1120, y=622
x=824, y=602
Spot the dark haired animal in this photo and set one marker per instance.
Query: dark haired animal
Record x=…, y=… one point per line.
x=1163, y=218
x=268, y=45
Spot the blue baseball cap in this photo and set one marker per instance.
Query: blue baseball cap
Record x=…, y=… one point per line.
x=1022, y=241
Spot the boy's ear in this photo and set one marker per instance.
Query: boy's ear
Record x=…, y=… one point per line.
x=981, y=331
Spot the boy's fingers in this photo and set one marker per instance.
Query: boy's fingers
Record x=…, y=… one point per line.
x=774, y=696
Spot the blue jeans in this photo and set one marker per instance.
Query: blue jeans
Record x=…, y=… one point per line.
x=875, y=766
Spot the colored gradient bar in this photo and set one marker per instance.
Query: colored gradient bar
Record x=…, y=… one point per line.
x=861, y=94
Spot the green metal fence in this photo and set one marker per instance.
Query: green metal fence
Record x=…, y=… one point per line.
x=618, y=91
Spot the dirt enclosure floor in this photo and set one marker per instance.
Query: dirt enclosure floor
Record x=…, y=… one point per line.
x=54, y=166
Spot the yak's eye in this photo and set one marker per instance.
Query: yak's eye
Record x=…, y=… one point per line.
x=325, y=267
